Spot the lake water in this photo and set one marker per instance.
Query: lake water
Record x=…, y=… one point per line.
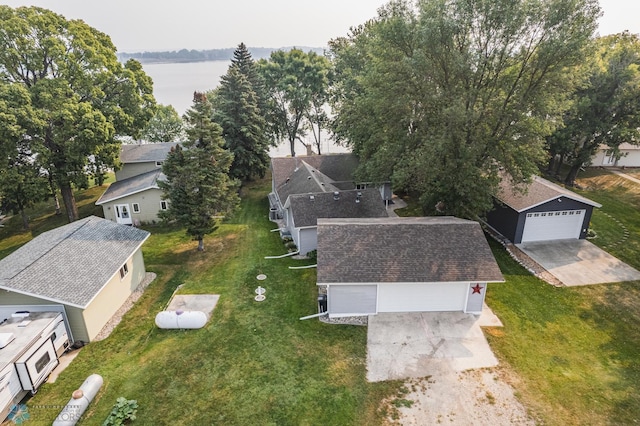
x=174, y=84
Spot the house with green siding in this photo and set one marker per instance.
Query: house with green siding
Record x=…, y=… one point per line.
x=135, y=197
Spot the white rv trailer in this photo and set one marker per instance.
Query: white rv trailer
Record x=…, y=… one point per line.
x=30, y=345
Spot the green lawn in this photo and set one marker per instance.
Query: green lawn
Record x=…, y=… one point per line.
x=254, y=363
x=573, y=352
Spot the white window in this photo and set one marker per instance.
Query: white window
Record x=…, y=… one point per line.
x=164, y=205
x=159, y=163
x=124, y=271
x=135, y=207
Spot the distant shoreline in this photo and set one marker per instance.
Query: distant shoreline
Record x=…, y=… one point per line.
x=191, y=56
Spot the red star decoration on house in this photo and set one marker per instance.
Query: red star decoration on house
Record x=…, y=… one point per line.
x=476, y=289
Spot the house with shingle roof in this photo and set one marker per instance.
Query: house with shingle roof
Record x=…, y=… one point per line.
x=135, y=196
x=88, y=267
x=304, y=210
x=320, y=186
x=417, y=264
x=542, y=211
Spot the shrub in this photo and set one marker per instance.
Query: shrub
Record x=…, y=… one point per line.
x=313, y=255
x=123, y=412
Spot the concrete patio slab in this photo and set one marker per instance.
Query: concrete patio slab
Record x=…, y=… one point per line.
x=579, y=262
x=194, y=302
x=411, y=345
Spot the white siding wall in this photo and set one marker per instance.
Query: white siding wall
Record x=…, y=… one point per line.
x=308, y=240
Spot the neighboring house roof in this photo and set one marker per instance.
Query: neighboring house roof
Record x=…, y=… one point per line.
x=71, y=264
x=307, y=208
x=540, y=191
x=404, y=250
x=130, y=186
x=339, y=167
x=305, y=180
x=145, y=152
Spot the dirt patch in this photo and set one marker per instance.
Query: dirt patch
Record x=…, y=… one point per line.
x=472, y=397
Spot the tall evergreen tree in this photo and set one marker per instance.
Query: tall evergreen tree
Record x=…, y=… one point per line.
x=243, y=61
x=197, y=184
x=243, y=127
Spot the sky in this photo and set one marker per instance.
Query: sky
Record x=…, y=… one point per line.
x=156, y=25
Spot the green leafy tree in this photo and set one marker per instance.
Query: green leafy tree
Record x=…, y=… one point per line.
x=292, y=79
x=243, y=127
x=22, y=181
x=197, y=183
x=441, y=95
x=83, y=95
x=606, y=109
x=165, y=126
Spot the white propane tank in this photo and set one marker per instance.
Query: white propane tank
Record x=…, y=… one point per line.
x=79, y=402
x=181, y=319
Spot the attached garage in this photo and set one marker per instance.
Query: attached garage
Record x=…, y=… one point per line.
x=428, y=297
x=544, y=212
x=348, y=300
x=427, y=264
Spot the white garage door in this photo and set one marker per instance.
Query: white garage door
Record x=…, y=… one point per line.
x=560, y=225
x=422, y=297
x=351, y=299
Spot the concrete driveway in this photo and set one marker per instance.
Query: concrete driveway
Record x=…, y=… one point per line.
x=410, y=345
x=578, y=262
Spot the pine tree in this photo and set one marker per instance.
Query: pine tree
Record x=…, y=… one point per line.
x=197, y=184
x=243, y=127
x=244, y=63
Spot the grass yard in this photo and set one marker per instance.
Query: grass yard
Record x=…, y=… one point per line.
x=254, y=363
x=572, y=352
x=575, y=350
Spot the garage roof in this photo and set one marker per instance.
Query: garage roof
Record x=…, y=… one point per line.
x=404, y=250
x=540, y=191
x=71, y=264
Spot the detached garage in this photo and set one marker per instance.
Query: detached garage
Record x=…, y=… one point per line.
x=544, y=212
x=421, y=264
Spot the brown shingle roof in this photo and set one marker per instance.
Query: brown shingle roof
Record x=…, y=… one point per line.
x=307, y=210
x=339, y=167
x=539, y=192
x=305, y=180
x=422, y=249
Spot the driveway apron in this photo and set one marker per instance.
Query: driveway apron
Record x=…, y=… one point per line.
x=410, y=345
x=579, y=262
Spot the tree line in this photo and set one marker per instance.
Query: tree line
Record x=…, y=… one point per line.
x=441, y=97
x=193, y=55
